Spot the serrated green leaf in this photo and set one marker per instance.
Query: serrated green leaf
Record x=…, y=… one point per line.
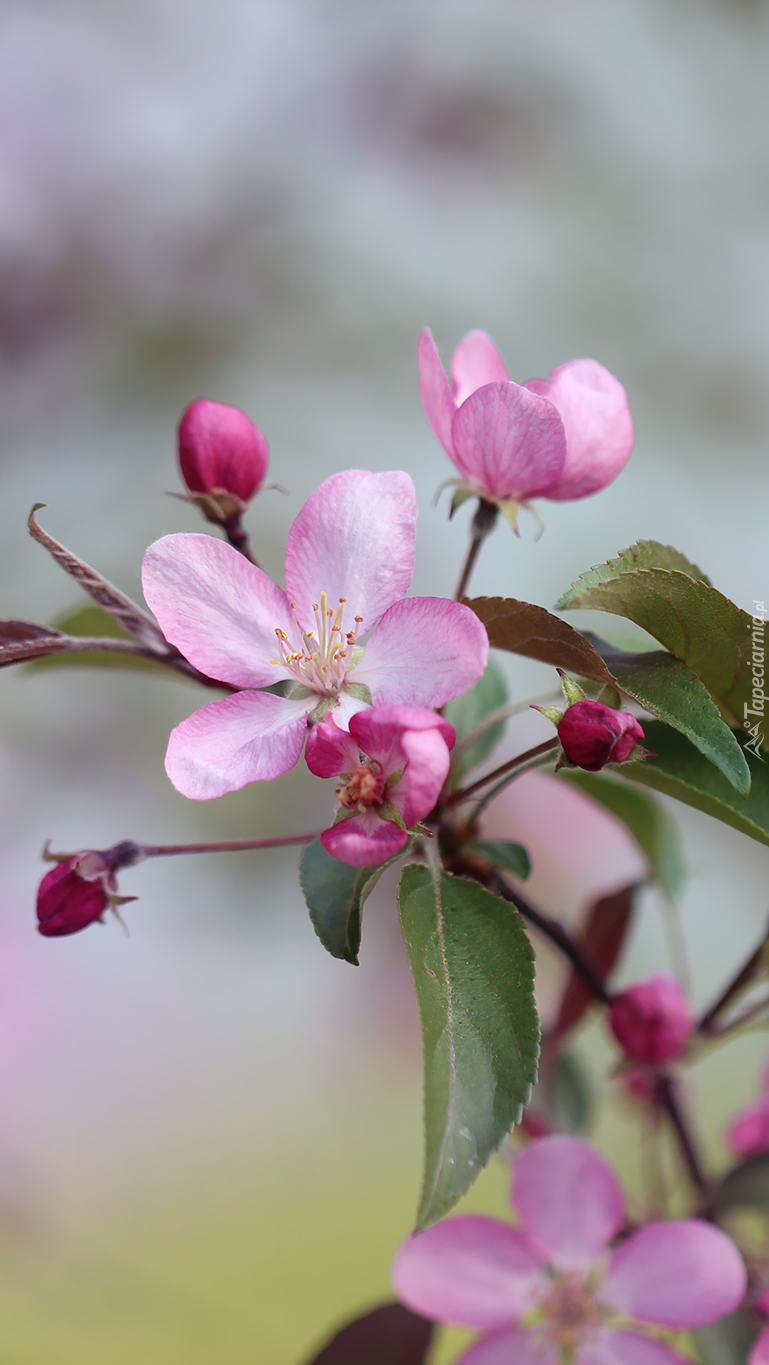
x=727, y=1342
x=688, y=616
x=744, y=1186
x=473, y=968
x=649, y=823
x=335, y=893
x=659, y=682
x=466, y=713
x=679, y=770
x=504, y=854
x=645, y=554
x=572, y=1101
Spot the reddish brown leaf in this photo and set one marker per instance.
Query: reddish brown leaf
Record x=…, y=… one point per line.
x=523, y=628
x=601, y=943
x=389, y=1335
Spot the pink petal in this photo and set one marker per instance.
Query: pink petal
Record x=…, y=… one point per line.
x=249, y=737
x=680, y=1274
x=748, y=1134
x=510, y=1348
x=364, y=840
x=569, y=1199
x=354, y=539
x=471, y=1271
x=599, y=429
x=330, y=750
x=759, y=1355
x=424, y=652
x=379, y=728
x=628, y=1348
x=509, y=442
x=218, y=609
x=437, y=399
x=427, y=768
x=476, y=362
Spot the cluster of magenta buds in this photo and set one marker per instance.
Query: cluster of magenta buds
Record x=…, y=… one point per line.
x=593, y=732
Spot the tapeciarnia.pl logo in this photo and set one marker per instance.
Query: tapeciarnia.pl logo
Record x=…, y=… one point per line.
x=754, y=714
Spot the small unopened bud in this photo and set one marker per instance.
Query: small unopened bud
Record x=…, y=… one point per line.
x=81, y=887
x=593, y=735
x=653, y=1020
x=222, y=454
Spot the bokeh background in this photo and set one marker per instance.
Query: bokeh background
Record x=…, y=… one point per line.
x=210, y=1135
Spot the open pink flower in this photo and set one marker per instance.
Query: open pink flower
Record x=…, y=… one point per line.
x=392, y=765
x=349, y=561
x=552, y=1284
x=561, y=438
x=748, y=1133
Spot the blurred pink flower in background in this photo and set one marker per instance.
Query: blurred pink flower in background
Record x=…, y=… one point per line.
x=393, y=764
x=748, y=1132
x=349, y=561
x=561, y=438
x=556, y=1270
x=221, y=451
x=652, y=1020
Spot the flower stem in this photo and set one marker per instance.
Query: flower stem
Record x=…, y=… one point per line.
x=510, y=768
x=667, y=1099
x=237, y=535
x=231, y=846
x=744, y=976
x=483, y=523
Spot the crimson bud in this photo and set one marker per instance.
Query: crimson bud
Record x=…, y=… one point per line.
x=593, y=734
x=221, y=452
x=653, y=1020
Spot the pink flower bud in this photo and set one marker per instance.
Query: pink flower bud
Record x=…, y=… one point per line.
x=653, y=1020
x=67, y=901
x=221, y=450
x=593, y=734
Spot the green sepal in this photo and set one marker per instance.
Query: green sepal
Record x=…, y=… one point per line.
x=389, y=811
x=460, y=496
x=358, y=690
x=511, y=510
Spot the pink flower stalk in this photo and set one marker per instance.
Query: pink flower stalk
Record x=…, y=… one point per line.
x=593, y=734
x=561, y=438
x=748, y=1133
x=551, y=1286
x=81, y=887
x=653, y=1020
x=392, y=765
x=349, y=561
x=221, y=451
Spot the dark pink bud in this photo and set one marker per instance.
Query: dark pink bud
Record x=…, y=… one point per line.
x=593, y=734
x=653, y=1020
x=221, y=450
x=67, y=901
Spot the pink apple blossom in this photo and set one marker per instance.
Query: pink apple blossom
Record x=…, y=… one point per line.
x=343, y=634
x=552, y=1285
x=748, y=1133
x=392, y=765
x=221, y=451
x=652, y=1020
x=561, y=438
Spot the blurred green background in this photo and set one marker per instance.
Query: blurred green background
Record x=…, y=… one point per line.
x=210, y=1135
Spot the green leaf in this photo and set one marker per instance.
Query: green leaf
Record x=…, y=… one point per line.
x=649, y=823
x=679, y=770
x=572, y=1101
x=98, y=622
x=505, y=855
x=727, y=1342
x=473, y=968
x=658, y=682
x=745, y=1185
x=645, y=554
x=689, y=617
x=335, y=893
x=466, y=713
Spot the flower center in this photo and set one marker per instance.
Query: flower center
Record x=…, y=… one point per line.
x=363, y=788
x=568, y=1312
x=325, y=653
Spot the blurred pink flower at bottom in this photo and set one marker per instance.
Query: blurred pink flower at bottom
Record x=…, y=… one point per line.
x=552, y=1284
x=748, y=1132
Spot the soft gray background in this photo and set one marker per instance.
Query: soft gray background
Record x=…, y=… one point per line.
x=264, y=201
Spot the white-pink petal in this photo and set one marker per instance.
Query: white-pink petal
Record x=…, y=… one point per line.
x=424, y=652
x=354, y=539
x=435, y=391
x=686, y=1273
x=470, y=1270
x=599, y=429
x=569, y=1200
x=628, y=1348
x=509, y=442
x=330, y=750
x=511, y=1348
x=217, y=608
x=476, y=362
x=248, y=737
x=759, y=1354
x=427, y=768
